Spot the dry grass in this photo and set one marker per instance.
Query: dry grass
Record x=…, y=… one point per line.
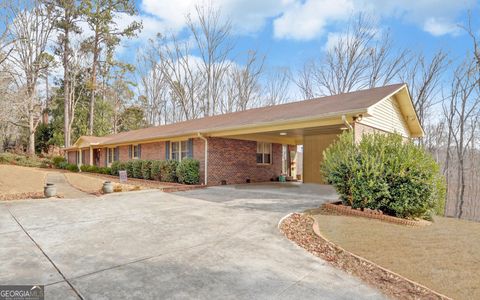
x=444, y=256
x=15, y=179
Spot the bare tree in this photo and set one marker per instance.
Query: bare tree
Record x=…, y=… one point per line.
x=462, y=114
x=304, y=80
x=30, y=33
x=242, y=84
x=212, y=39
x=153, y=85
x=423, y=78
x=361, y=57
x=276, y=88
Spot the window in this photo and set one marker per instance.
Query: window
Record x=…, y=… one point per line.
x=264, y=153
x=111, y=155
x=179, y=150
x=135, y=152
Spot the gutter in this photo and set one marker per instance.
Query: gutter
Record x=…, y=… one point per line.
x=344, y=120
x=206, y=157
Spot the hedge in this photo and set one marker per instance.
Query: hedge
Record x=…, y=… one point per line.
x=385, y=172
x=186, y=172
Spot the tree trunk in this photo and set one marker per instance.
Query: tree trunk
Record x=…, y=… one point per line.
x=31, y=135
x=66, y=85
x=94, y=83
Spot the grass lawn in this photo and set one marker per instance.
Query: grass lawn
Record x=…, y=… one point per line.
x=93, y=183
x=444, y=256
x=15, y=179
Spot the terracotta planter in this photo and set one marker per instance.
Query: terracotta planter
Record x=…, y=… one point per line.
x=107, y=187
x=50, y=190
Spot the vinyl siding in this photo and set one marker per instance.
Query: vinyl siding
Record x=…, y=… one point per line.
x=387, y=116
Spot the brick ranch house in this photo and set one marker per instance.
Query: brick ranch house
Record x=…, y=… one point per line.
x=257, y=145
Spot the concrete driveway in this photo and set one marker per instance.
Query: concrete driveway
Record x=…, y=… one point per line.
x=214, y=243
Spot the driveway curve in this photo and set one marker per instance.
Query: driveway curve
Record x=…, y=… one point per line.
x=154, y=245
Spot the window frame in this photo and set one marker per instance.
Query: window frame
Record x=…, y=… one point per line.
x=181, y=151
x=110, y=151
x=133, y=151
x=264, y=153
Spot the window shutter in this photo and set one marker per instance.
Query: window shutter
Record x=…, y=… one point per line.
x=190, y=148
x=139, y=151
x=116, y=154
x=167, y=150
x=130, y=151
x=106, y=157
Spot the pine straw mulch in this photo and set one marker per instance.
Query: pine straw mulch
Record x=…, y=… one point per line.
x=25, y=196
x=299, y=229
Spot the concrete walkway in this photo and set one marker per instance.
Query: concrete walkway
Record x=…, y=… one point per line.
x=155, y=245
x=64, y=188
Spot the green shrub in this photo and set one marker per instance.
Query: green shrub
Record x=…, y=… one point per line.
x=58, y=160
x=129, y=168
x=115, y=167
x=146, y=169
x=188, y=171
x=155, y=169
x=386, y=173
x=137, y=168
x=72, y=167
x=168, y=170
x=62, y=165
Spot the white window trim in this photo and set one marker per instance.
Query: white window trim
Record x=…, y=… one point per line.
x=133, y=151
x=109, y=163
x=179, y=149
x=263, y=154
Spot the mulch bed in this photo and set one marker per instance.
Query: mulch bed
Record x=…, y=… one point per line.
x=167, y=187
x=371, y=214
x=23, y=196
x=299, y=228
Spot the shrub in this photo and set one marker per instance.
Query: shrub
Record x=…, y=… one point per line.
x=58, y=160
x=129, y=168
x=72, y=167
x=146, y=169
x=168, y=170
x=25, y=161
x=188, y=171
x=137, y=168
x=386, y=173
x=155, y=169
x=63, y=165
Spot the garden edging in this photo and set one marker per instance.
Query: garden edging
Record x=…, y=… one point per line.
x=387, y=281
x=347, y=210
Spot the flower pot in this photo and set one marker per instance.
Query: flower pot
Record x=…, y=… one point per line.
x=50, y=190
x=107, y=187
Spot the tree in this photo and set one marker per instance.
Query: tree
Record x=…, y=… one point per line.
x=212, y=40
x=68, y=16
x=276, y=89
x=106, y=35
x=361, y=57
x=30, y=32
x=132, y=118
x=424, y=78
x=462, y=114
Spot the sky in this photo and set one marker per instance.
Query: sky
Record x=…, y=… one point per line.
x=289, y=32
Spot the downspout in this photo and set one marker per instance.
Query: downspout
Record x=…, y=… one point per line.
x=206, y=157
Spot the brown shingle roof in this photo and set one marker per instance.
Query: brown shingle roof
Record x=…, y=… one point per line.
x=318, y=107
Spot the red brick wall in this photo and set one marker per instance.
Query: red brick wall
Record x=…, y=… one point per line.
x=153, y=151
x=72, y=157
x=199, y=154
x=235, y=161
x=86, y=157
x=102, y=157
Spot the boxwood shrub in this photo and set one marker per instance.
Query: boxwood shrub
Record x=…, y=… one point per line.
x=146, y=169
x=155, y=170
x=385, y=172
x=168, y=170
x=188, y=171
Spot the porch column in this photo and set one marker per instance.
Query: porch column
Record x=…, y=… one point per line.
x=80, y=156
x=91, y=156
